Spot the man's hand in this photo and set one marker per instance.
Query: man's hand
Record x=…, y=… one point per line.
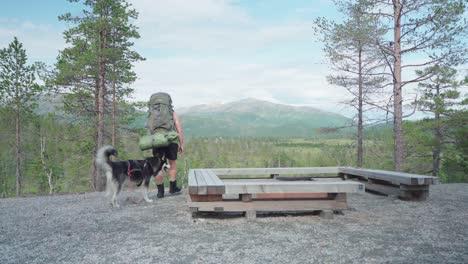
x=181, y=148
x=179, y=130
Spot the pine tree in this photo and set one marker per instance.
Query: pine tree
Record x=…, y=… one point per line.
x=121, y=61
x=18, y=92
x=438, y=98
x=353, y=54
x=433, y=31
x=99, y=54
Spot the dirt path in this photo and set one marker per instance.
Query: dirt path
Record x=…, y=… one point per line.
x=83, y=229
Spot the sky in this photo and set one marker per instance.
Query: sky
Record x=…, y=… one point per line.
x=205, y=51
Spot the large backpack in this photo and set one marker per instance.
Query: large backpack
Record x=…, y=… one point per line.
x=160, y=113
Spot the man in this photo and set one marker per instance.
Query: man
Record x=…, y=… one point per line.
x=162, y=118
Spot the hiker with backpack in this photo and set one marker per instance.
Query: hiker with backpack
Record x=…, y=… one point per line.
x=167, y=138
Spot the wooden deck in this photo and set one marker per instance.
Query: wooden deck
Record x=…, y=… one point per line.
x=407, y=186
x=210, y=192
x=243, y=190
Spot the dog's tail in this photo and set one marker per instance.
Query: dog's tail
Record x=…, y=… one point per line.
x=103, y=162
x=103, y=157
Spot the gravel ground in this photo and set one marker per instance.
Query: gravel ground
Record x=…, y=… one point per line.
x=376, y=229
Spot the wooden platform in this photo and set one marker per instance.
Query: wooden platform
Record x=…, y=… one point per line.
x=251, y=190
x=209, y=192
x=407, y=186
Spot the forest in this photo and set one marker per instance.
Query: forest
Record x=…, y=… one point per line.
x=50, y=152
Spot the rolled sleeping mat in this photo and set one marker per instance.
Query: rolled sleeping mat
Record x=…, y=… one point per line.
x=158, y=140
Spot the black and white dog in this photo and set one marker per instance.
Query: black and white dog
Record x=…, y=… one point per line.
x=138, y=172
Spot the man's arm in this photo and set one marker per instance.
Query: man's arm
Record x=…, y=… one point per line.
x=179, y=130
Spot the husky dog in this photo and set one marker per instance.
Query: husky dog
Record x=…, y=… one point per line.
x=138, y=172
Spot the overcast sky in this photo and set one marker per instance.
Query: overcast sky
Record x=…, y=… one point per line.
x=205, y=51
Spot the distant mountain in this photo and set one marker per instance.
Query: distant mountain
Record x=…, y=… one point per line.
x=252, y=117
x=248, y=117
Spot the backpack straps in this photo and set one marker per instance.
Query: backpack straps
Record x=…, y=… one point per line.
x=129, y=169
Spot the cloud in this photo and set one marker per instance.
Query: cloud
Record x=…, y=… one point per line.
x=208, y=51
x=210, y=26
x=193, y=81
x=168, y=12
x=41, y=41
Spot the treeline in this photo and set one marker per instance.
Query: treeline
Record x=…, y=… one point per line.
x=56, y=154
x=368, y=50
x=92, y=76
x=65, y=152
x=380, y=50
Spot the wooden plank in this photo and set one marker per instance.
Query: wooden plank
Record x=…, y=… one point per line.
x=206, y=198
x=245, y=197
x=239, y=187
x=341, y=197
x=289, y=195
x=217, y=182
x=209, y=180
x=414, y=195
x=202, y=186
x=215, y=177
x=192, y=182
x=414, y=187
x=210, y=183
x=269, y=206
x=414, y=192
x=270, y=171
x=395, y=178
x=379, y=188
x=384, y=189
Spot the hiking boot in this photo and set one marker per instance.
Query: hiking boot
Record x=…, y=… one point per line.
x=160, y=190
x=173, y=187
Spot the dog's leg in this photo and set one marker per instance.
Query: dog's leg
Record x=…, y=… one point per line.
x=115, y=191
x=108, y=184
x=145, y=193
x=110, y=189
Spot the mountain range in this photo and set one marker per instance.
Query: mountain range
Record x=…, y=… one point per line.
x=244, y=118
x=252, y=117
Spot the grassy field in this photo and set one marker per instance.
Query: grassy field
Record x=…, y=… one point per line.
x=281, y=152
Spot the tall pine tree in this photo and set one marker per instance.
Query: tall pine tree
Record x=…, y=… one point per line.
x=18, y=92
x=439, y=96
x=99, y=55
x=430, y=32
x=354, y=57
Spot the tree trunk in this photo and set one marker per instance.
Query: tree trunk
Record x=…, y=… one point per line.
x=94, y=174
x=17, y=152
x=360, y=125
x=437, y=138
x=101, y=104
x=398, y=141
x=113, y=111
x=436, y=149
x=47, y=170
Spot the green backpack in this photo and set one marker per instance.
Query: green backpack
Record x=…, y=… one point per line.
x=160, y=123
x=160, y=113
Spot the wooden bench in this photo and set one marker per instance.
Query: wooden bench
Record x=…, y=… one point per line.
x=209, y=192
x=227, y=190
x=404, y=185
